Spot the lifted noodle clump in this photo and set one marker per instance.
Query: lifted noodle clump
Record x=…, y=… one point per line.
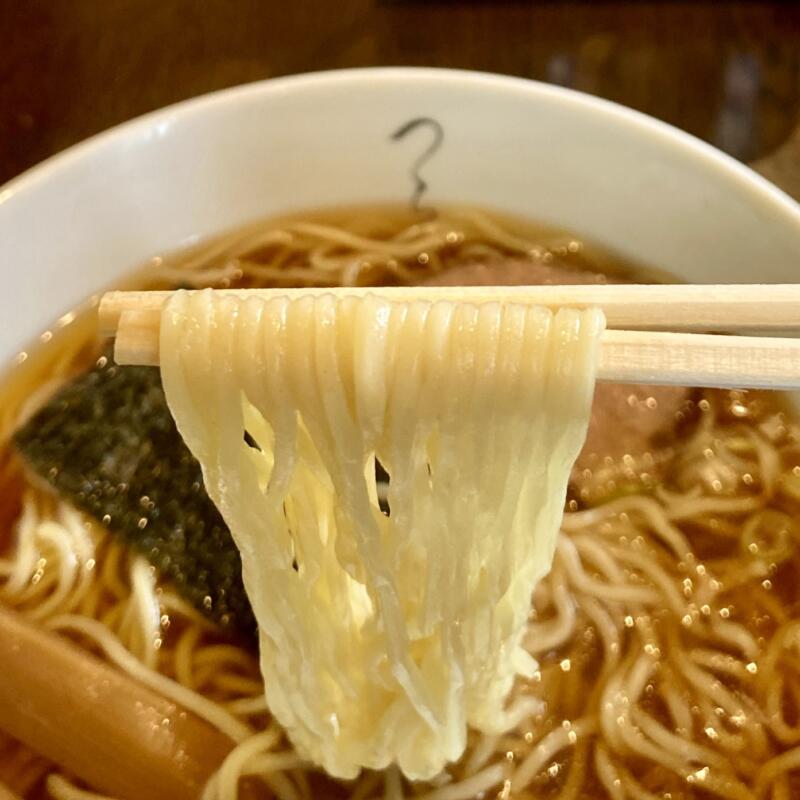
x=383, y=636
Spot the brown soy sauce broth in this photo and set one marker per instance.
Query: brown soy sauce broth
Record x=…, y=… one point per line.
x=725, y=472
x=743, y=545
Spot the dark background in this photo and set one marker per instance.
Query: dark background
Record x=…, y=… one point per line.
x=727, y=72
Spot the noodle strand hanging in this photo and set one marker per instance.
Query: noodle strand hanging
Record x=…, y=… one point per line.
x=383, y=637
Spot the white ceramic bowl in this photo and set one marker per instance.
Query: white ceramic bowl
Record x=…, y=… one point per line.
x=77, y=222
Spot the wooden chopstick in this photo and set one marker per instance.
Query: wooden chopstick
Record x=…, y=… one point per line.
x=626, y=356
x=694, y=359
x=98, y=723
x=673, y=307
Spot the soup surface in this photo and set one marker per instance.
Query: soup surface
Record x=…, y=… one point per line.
x=666, y=633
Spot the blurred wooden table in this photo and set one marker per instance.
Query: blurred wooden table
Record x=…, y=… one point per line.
x=728, y=72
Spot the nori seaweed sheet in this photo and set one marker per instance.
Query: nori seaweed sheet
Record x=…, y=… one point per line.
x=108, y=443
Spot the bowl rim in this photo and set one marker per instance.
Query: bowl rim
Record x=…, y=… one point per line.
x=195, y=107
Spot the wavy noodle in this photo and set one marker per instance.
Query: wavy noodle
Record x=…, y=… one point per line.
x=62, y=789
x=669, y=655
